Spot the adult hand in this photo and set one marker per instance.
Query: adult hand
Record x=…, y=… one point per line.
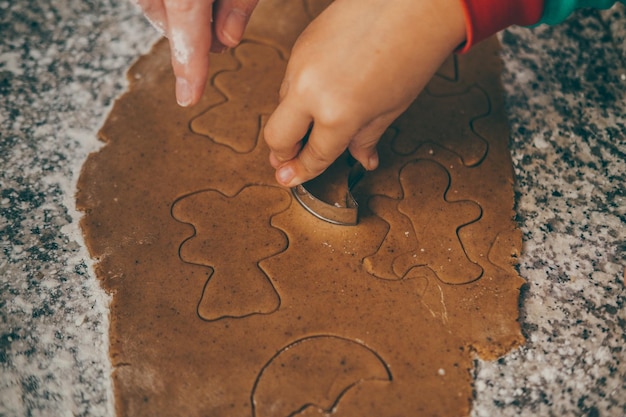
x=355, y=69
x=195, y=28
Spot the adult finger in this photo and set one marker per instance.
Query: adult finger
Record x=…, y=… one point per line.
x=189, y=32
x=231, y=18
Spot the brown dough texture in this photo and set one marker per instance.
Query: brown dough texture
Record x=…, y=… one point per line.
x=229, y=299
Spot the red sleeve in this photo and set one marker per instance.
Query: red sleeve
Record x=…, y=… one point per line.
x=483, y=18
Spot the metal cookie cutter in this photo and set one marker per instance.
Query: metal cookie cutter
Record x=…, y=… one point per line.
x=346, y=214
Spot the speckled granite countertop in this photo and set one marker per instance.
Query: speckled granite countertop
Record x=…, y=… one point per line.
x=63, y=63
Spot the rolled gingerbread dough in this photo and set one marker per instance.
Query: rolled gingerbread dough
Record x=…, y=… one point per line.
x=229, y=299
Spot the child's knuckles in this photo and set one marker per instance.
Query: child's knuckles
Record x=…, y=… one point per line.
x=304, y=83
x=335, y=110
x=334, y=113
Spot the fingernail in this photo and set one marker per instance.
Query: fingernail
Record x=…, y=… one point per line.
x=234, y=26
x=285, y=175
x=183, y=92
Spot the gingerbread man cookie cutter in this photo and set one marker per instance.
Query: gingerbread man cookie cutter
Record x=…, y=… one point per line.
x=345, y=213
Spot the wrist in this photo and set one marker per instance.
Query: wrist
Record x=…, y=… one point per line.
x=453, y=19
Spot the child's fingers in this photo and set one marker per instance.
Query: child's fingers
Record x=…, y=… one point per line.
x=284, y=132
x=189, y=32
x=365, y=153
x=363, y=145
x=322, y=148
x=231, y=19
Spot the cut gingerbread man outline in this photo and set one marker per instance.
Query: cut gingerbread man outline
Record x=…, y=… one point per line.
x=426, y=144
x=236, y=121
x=289, y=19
x=237, y=286
x=472, y=150
x=422, y=244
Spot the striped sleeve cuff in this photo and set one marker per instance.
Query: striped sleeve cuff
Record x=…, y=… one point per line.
x=556, y=11
x=483, y=18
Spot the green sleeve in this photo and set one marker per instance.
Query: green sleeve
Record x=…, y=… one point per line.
x=556, y=11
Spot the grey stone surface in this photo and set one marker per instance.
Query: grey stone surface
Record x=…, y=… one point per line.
x=566, y=88
x=63, y=63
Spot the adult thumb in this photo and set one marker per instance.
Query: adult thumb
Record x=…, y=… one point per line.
x=231, y=19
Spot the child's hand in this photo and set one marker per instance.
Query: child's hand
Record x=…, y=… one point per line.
x=356, y=68
x=195, y=27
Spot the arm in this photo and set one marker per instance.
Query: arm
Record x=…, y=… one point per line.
x=355, y=69
x=360, y=64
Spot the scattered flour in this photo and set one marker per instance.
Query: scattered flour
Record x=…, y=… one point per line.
x=182, y=50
